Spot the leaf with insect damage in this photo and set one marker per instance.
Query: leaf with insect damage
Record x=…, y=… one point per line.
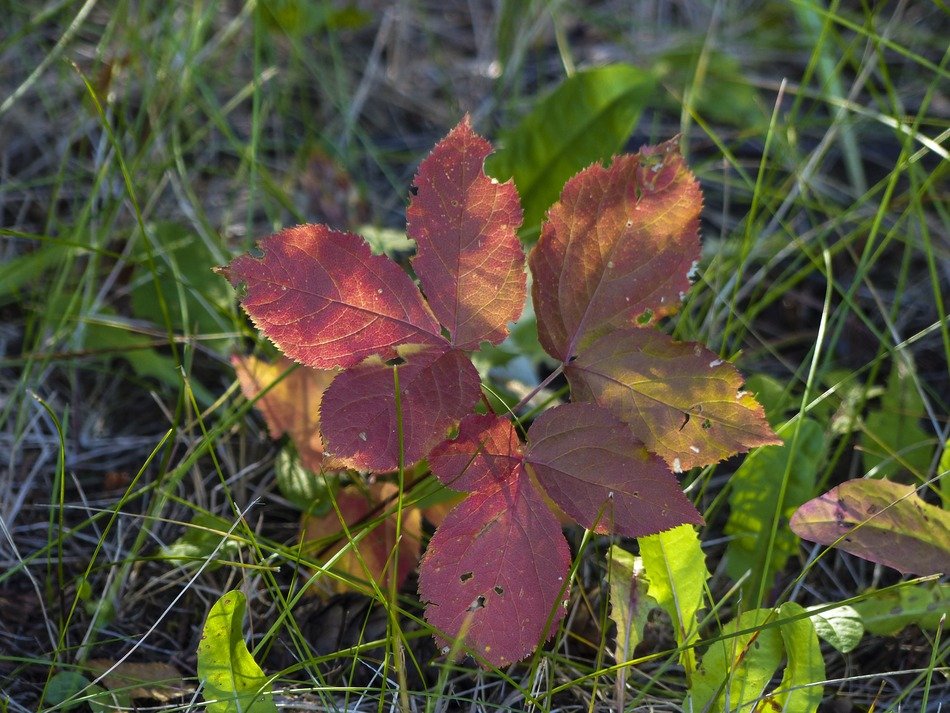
x=617, y=249
x=469, y=259
x=679, y=397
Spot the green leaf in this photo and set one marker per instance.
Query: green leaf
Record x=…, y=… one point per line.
x=233, y=682
x=841, y=627
x=676, y=569
x=309, y=491
x=800, y=690
x=892, y=439
x=745, y=663
x=772, y=394
x=629, y=602
x=202, y=536
x=943, y=473
x=754, y=505
x=888, y=612
x=588, y=118
x=64, y=686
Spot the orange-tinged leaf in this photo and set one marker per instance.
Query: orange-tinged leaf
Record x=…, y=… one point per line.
x=880, y=521
x=495, y=572
x=361, y=418
x=486, y=452
x=682, y=400
x=373, y=557
x=593, y=467
x=326, y=301
x=291, y=407
x=616, y=250
x=469, y=259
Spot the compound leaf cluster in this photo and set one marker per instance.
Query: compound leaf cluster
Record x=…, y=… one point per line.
x=615, y=255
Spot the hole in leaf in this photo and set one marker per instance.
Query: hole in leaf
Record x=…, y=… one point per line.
x=466, y=576
x=645, y=317
x=256, y=252
x=397, y=361
x=685, y=421
x=706, y=424
x=499, y=590
x=479, y=603
x=414, y=190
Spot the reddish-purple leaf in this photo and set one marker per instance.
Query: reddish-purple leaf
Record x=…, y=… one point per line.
x=592, y=466
x=359, y=413
x=469, y=259
x=326, y=301
x=880, y=521
x=486, y=452
x=617, y=249
x=679, y=397
x=495, y=572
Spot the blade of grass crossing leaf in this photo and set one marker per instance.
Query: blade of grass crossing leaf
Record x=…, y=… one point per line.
x=233, y=681
x=800, y=690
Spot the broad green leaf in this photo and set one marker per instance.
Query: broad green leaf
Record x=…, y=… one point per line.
x=841, y=627
x=469, y=260
x=309, y=491
x=70, y=689
x=735, y=671
x=616, y=250
x=588, y=118
x=800, y=690
x=880, y=521
x=888, y=612
x=26, y=271
x=362, y=421
x=943, y=472
x=593, y=467
x=754, y=505
x=892, y=440
x=681, y=399
x=290, y=407
x=676, y=569
x=630, y=603
x=202, y=537
x=773, y=396
x=233, y=682
x=326, y=301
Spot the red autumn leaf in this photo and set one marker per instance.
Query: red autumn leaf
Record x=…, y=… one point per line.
x=494, y=570
x=616, y=250
x=292, y=406
x=880, y=521
x=679, y=397
x=485, y=452
x=372, y=557
x=360, y=416
x=326, y=301
x=469, y=259
x=591, y=465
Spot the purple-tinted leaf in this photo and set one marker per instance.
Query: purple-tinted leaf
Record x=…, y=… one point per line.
x=592, y=466
x=495, y=572
x=486, y=452
x=880, y=521
x=469, y=260
x=679, y=397
x=326, y=301
x=359, y=414
x=616, y=250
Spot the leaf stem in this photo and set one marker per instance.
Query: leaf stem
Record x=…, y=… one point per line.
x=534, y=392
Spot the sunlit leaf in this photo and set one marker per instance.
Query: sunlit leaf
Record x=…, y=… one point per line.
x=361, y=417
x=616, y=250
x=800, y=688
x=890, y=611
x=676, y=567
x=591, y=465
x=630, y=604
x=880, y=521
x=469, y=260
x=841, y=627
x=291, y=407
x=326, y=301
x=486, y=452
x=498, y=556
x=233, y=681
x=682, y=400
